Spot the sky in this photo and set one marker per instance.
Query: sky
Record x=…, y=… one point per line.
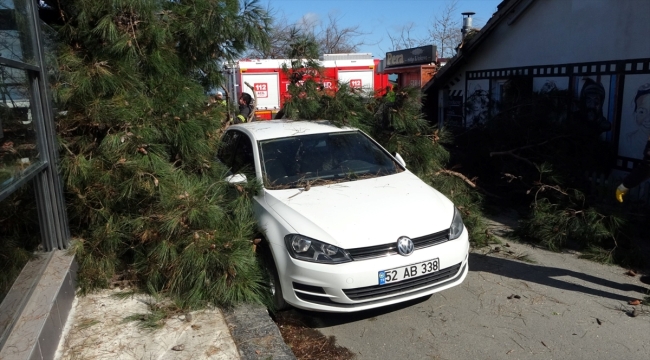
x=377, y=18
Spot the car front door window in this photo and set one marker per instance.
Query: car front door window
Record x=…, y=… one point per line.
x=243, y=159
x=236, y=153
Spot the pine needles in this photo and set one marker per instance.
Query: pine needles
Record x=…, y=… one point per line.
x=146, y=201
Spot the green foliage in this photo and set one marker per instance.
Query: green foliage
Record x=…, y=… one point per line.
x=302, y=45
x=146, y=200
x=470, y=203
x=602, y=234
x=555, y=224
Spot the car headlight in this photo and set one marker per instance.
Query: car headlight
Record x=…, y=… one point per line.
x=457, y=226
x=307, y=249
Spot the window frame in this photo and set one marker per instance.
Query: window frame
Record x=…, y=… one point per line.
x=44, y=176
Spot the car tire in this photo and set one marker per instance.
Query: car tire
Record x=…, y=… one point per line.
x=278, y=302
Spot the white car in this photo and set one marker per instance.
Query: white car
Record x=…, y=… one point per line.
x=348, y=226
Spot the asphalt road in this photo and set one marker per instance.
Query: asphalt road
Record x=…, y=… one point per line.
x=564, y=308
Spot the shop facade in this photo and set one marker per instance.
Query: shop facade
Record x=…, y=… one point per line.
x=414, y=67
x=595, y=55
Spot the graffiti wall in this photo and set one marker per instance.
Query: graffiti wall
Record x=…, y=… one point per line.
x=612, y=98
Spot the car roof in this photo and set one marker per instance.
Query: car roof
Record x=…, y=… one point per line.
x=274, y=129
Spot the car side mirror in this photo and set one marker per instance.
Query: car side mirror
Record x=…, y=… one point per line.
x=400, y=160
x=236, y=179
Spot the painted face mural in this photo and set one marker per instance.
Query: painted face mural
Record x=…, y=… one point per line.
x=549, y=86
x=642, y=110
x=635, y=126
x=592, y=99
x=477, y=107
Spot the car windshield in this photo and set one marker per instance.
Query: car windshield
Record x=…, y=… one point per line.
x=321, y=159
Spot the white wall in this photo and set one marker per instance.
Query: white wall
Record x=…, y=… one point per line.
x=568, y=31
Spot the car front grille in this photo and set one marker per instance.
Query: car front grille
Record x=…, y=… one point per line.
x=371, y=252
x=375, y=291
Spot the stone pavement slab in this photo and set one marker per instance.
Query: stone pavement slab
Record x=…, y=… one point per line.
x=96, y=329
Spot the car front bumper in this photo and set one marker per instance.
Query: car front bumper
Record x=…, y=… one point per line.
x=354, y=286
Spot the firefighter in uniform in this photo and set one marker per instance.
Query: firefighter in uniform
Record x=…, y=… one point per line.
x=245, y=108
x=218, y=98
x=640, y=173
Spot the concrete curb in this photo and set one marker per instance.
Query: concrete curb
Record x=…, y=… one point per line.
x=255, y=334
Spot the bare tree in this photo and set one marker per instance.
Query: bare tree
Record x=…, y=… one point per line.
x=445, y=29
x=404, y=38
x=331, y=36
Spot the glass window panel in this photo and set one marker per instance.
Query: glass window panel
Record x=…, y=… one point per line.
x=50, y=55
x=19, y=240
x=16, y=30
x=18, y=146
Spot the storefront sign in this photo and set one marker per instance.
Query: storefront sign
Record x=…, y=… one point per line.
x=418, y=55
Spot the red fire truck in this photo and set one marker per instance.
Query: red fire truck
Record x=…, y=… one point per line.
x=271, y=83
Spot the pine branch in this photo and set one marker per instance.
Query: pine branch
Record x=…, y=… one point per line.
x=457, y=174
x=512, y=151
x=466, y=180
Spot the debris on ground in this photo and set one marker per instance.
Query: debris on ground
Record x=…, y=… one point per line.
x=307, y=343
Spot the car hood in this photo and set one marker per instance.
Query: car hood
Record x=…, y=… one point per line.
x=364, y=212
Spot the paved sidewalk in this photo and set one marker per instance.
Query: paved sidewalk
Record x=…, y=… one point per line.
x=96, y=329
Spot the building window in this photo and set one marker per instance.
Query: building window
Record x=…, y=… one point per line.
x=16, y=40
x=18, y=142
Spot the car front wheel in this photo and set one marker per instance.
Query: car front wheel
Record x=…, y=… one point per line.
x=278, y=302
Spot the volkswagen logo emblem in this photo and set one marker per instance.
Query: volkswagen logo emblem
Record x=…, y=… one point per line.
x=404, y=246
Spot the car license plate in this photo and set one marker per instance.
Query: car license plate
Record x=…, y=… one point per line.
x=409, y=271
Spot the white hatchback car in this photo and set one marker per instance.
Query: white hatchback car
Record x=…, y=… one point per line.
x=348, y=226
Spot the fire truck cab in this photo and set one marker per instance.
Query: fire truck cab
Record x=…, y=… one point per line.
x=266, y=81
